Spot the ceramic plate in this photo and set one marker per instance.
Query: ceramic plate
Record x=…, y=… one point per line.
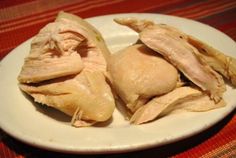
x=47, y=128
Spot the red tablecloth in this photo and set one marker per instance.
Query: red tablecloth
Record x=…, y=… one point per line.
x=21, y=19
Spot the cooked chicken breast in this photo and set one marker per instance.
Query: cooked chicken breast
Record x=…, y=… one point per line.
x=137, y=74
x=66, y=70
x=173, y=45
x=53, y=53
x=86, y=92
x=220, y=62
x=187, y=98
x=60, y=45
x=181, y=54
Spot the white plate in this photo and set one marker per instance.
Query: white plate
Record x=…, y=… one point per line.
x=47, y=128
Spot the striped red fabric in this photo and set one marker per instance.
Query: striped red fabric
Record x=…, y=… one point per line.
x=7, y=3
x=13, y=28
x=214, y=146
x=22, y=19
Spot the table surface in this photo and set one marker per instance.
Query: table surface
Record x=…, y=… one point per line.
x=21, y=19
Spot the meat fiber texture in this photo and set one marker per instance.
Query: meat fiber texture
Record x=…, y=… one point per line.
x=66, y=68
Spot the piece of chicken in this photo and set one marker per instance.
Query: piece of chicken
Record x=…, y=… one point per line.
x=187, y=98
x=61, y=45
x=87, y=92
x=53, y=53
x=138, y=73
x=66, y=64
x=220, y=62
x=174, y=46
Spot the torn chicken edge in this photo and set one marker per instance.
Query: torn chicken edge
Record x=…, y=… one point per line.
x=197, y=61
x=188, y=98
x=66, y=68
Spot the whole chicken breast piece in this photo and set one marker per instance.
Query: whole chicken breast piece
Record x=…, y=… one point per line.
x=137, y=74
x=173, y=45
x=85, y=95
